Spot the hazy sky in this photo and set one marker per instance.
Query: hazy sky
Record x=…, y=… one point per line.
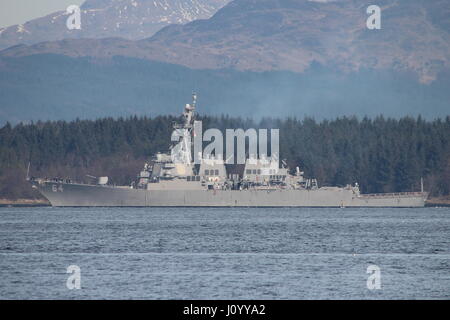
x=20, y=11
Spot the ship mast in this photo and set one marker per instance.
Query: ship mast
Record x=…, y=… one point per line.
x=185, y=132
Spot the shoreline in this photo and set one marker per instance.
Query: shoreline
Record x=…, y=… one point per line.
x=24, y=203
x=430, y=203
x=438, y=202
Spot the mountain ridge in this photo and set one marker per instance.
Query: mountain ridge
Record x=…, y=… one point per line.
x=129, y=19
x=253, y=57
x=264, y=35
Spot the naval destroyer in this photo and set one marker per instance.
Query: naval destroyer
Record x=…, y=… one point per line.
x=169, y=181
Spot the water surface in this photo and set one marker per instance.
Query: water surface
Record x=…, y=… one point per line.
x=224, y=253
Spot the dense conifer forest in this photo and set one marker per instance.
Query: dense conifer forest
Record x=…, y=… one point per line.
x=382, y=155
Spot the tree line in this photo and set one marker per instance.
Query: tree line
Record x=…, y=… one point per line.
x=381, y=154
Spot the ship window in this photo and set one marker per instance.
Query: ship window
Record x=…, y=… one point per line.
x=216, y=172
x=206, y=172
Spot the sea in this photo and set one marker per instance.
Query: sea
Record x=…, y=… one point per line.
x=224, y=253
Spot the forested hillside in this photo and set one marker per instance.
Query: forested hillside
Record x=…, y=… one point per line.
x=383, y=155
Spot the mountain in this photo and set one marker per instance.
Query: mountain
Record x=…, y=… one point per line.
x=129, y=19
x=293, y=34
x=252, y=58
x=261, y=35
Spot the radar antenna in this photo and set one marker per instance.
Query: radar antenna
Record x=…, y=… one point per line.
x=194, y=100
x=28, y=172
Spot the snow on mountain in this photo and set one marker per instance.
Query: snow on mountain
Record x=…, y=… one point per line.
x=130, y=19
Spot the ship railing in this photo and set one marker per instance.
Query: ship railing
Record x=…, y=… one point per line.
x=57, y=180
x=392, y=195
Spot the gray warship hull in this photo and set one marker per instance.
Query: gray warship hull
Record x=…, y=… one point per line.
x=174, y=180
x=83, y=195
